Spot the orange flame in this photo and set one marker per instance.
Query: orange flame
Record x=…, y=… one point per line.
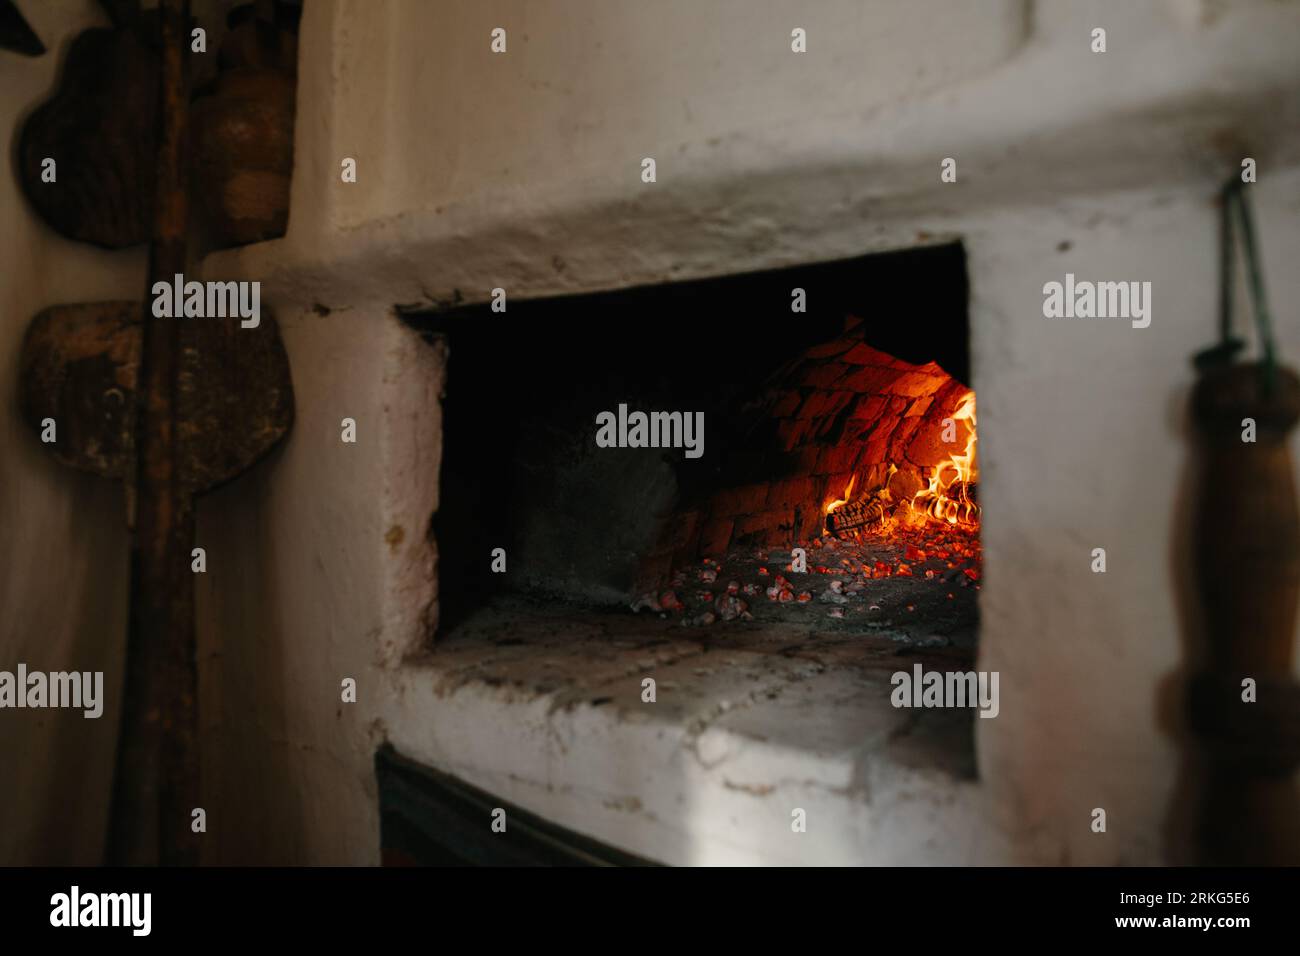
x=840, y=502
x=954, y=475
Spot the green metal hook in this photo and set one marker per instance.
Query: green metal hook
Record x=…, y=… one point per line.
x=1234, y=201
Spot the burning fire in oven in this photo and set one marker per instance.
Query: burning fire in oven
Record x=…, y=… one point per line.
x=949, y=496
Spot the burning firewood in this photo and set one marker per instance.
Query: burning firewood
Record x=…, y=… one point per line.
x=868, y=509
x=950, y=495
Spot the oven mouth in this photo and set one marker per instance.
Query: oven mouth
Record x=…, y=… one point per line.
x=795, y=446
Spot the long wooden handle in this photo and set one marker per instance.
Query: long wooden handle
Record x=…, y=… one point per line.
x=1248, y=576
x=155, y=788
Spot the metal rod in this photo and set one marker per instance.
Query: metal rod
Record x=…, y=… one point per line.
x=156, y=782
x=1227, y=266
x=1255, y=281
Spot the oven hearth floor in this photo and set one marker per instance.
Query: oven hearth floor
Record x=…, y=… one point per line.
x=914, y=587
x=541, y=703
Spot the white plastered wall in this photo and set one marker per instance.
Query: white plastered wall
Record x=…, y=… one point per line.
x=523, y=172
x=63, y=540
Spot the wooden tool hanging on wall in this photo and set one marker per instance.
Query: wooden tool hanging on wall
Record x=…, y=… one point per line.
x=242, y=128
x=1245, y=702
x=99, y=131
x=173, y=407
x=15, y=34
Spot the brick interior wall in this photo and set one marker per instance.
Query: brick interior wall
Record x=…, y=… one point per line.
x=839, y=410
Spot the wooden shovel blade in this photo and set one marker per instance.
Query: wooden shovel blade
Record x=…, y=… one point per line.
x=79, y=367
x=15, y=34
x=101, y=127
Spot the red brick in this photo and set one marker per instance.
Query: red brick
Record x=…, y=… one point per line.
x=786, y=404
x=838, y=458
x=677, y=531
x=927, y=447
x=868, y=407
x=876, y=475
x=899, y=438
x=876, y=451
x=807, y=458
x=824, y=426
x=817, y=403
x=811, y=523
x=823, y=376
x=839, y=401
x=790, y=492
x=895, y=408
x=918, y=407
x=794, y=432
x=764, y=525
x=917, y=384
x=906, y=483
x=949, y=397
x=739, y=501
x=886, y=421
x=716, y=537
x=869, y=380
x=831, y=349
x=834, y=487
x=863, y=354
x=837, y=426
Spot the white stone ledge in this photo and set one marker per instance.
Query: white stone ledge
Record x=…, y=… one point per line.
x=709, y=773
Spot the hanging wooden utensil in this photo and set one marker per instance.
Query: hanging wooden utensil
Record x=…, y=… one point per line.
x=79, y=366
x=15, y=34
x=1248, y=578
x=243, y=129
x=100, y=129
x=233, y=401
x=173, y=407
